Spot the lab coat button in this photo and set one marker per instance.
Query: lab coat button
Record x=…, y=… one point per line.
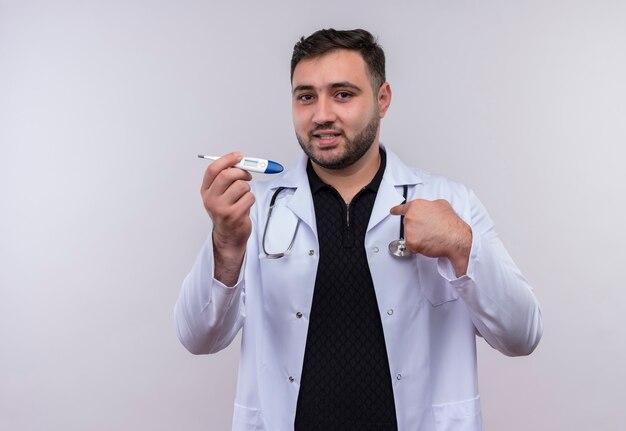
x=291, y=379
x=311, y=252
x=376, y=249
x=398, y=376
x=299, y=315
x=390, y=311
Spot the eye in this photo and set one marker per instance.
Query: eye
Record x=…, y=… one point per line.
x=305, y=98
x=343, y=95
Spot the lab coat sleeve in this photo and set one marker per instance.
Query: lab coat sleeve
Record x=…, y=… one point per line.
x=500, y=301
x=208, y=314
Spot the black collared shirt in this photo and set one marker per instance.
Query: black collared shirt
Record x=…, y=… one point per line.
x=346, y=383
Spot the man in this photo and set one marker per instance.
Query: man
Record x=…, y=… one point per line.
x=338, y=332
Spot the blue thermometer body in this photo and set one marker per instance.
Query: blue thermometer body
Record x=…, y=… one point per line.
x=253, y=164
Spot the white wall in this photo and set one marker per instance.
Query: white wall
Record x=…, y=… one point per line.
x=105, y=104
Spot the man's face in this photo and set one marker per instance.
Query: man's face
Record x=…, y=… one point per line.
x=336, y=113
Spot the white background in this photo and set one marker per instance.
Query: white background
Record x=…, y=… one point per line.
x=105, y=104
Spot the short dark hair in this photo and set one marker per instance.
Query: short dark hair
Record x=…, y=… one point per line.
x=327, y=40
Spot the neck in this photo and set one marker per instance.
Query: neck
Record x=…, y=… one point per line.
x=351, y=179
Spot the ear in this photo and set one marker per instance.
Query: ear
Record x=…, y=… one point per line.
x=384, y=99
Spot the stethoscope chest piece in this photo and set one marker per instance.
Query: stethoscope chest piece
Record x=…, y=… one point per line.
x=398, y=248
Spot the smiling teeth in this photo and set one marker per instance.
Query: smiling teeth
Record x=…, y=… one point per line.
x=327, y=136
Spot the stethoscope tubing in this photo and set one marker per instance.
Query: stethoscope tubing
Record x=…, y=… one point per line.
x=269, y=215
x=396, y=247
x=405, y=192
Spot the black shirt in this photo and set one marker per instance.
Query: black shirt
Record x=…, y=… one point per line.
x=346, y=383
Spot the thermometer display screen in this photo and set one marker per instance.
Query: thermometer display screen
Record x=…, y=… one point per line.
x=251, y=163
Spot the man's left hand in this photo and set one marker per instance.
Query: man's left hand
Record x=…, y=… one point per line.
x=433, y=229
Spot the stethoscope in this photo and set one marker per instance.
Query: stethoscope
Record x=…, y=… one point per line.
x=267, y=222
x=397, y=247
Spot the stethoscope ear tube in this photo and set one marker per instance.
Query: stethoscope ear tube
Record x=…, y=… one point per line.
x=397, y=247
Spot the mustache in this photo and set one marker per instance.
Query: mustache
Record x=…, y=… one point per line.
x=326, y=127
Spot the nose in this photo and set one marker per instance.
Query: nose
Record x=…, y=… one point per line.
x=324, y=112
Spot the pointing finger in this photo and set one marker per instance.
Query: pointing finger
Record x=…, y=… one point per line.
x=399, y=209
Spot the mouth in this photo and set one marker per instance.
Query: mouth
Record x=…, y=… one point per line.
x=326, y=138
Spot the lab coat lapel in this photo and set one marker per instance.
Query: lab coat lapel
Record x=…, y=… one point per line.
x=389, y=194
x=301, y=203
x=387, y=198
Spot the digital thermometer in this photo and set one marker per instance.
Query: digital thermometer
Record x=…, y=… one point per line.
x=252, y=164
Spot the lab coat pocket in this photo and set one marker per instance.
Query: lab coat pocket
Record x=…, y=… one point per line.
x=436, y=289
x=458, y=416
x=245, y=418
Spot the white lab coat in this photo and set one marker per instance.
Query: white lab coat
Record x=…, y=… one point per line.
x=430, y=318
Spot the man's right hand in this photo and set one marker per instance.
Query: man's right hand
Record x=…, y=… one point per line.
x=227, y=198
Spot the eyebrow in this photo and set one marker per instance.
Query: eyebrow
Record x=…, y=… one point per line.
x=342, y=84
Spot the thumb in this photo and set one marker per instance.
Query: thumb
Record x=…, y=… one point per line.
x=399, y=209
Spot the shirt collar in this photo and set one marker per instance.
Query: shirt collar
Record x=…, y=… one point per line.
x=316, y=182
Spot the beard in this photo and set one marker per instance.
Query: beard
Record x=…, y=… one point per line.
x=353, y=150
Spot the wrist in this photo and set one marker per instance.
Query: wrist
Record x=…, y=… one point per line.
x=460, y=251
x=228, y=259
x=227, y=244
